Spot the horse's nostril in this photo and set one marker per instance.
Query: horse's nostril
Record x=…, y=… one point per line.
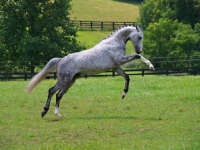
x=138, y=52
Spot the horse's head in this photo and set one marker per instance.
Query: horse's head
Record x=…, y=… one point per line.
x=136, y=38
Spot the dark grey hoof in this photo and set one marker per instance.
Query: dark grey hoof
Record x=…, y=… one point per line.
x=43, y=113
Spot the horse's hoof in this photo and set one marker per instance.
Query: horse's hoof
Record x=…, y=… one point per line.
x=123, y=95
x=58, y=114
x=43, y=113
x=151, y=67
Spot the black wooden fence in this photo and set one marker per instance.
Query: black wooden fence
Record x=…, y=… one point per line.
x=100, y=24
x=142, y=72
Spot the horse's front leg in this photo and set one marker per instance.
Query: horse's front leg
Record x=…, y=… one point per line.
x=147, y=62
x=126, y=59
x=127, y=79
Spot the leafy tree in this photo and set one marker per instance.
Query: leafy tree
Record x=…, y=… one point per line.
x=172, y=39
x=139, y=1
x=197, y=31
x=171, y=29
x=152, y=10
x=186, y=11
x=37, y=30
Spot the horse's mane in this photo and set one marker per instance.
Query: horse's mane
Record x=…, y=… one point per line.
x=116, y=30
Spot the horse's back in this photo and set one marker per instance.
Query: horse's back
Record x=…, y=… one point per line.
x=91, y=61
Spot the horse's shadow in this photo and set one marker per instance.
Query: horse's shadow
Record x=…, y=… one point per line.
x=104, y=118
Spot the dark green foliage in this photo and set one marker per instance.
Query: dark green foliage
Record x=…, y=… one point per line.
x=37, y=30
x=131, y=1
x=185, y=11
x=171, y=29
x=188, y=11
x=170, y=39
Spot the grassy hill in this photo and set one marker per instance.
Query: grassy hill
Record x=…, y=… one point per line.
x=91, y=38
x=104, y=10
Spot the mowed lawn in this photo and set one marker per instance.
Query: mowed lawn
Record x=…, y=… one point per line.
x=90, y=38
x=159, y=112
x=104, y=10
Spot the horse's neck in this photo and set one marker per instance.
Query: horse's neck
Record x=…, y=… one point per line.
x=121, y=35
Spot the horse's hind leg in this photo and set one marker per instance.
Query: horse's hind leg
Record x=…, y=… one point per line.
x=121, y=72
x=60, y=94
x=52, y=91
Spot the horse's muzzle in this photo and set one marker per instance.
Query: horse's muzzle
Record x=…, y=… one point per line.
x=138, y=50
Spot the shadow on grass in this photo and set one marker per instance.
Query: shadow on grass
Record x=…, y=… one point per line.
x=89, y=118
x=52, y=120
x=134, y=2
x=103, y=118
x=115, y=118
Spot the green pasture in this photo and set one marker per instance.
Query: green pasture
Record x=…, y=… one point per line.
x=104, y=10
x=158, y=113
x=91, y=38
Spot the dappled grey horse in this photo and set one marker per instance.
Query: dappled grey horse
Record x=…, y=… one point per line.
x=106, y=55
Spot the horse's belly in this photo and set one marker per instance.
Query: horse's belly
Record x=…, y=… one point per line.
x=85, y=63
x=91, y=70
x=96, y=68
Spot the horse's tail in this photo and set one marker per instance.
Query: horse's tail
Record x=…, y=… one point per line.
x=42, y=74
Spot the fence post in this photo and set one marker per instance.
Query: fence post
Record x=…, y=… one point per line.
x=91, y=24
x=143, y=72
x=113, y=25
x=101, y=25
x=25, y=76
x=80, y=23
x=167, y=72
x=113, y=74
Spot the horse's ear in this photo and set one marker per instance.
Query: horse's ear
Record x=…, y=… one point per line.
x=137, y=28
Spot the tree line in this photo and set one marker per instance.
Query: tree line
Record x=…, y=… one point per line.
x=38, y=30
x=171, y=28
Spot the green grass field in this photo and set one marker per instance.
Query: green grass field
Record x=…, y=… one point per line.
x=104, y=10
x=159, y=112
x=91, y=38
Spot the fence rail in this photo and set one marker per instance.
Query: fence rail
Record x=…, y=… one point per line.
x=142, y=72
x=101, y=24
